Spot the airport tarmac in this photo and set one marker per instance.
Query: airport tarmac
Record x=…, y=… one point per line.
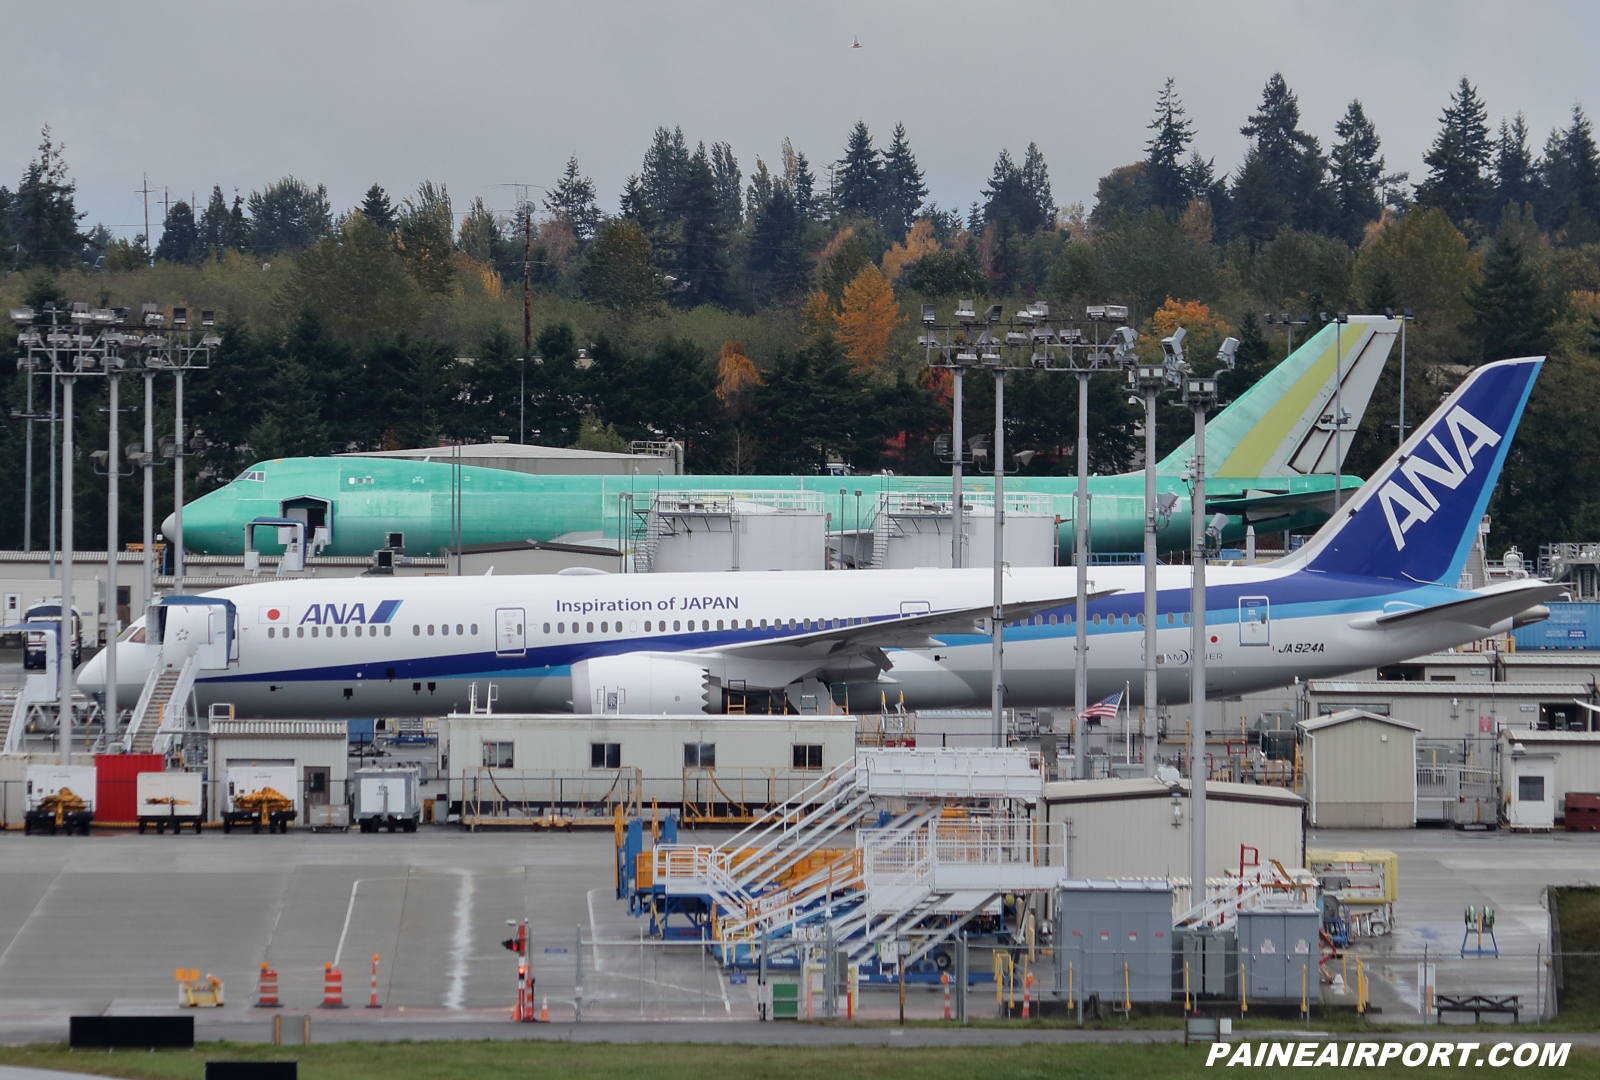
x=99, y=923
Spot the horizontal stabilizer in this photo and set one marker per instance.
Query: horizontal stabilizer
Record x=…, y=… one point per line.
x=1484, y=609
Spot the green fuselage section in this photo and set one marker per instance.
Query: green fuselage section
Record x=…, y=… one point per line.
x=369, y=498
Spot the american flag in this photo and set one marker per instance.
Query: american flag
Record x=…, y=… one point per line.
x=1106, y=708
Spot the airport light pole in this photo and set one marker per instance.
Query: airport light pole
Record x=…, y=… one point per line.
x=1289, y=322
x=1199, y=395
x=1148, y=380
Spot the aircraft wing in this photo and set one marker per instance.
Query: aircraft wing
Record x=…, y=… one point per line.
x=906, y=632
x=1483, y=609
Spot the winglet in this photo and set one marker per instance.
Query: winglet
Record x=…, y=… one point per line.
x=1418, y=515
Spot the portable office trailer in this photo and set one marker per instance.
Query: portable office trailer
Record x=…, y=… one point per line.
x=1140, y=827
x=387, y=798
x=1577, y=760
x=1361, y=771
x=1528, y=784
x=316, y=752
x=730, y=758
x=1450, y=710
x=1114, y=939
x=170, y=798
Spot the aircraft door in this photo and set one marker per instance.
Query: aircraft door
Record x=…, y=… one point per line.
x=1255, y=620
x=509, y=636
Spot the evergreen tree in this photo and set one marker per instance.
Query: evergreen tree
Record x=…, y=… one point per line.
x=777, y=246
x=1356, y=168
x=377, y=209
x=1036, y=184
x=44, y=219
x=1257, y=210
x=1288, y=161
x=903, y=189
x=238, y=235
x=858, y=190
x=574, y=200
x=634, y=206
x=1459, y=158
x=1512, y=310
x=805, y=189
x=1015, y=202
x=180, y=239
x=217, y=230
x=700, y=245
x=289, y=216
x=665, y=164
x=725, y=177
x=1572, y=181
x=1516, y=174
x=1167, y=176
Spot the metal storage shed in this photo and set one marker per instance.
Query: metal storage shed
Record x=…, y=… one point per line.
x=1577, y=761
x=1361, y=771
x=318, y=750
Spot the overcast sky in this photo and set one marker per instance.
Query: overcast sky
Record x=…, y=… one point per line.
x=480, y=95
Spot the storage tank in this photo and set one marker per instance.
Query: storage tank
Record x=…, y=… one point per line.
x=388, y=797
x=170, y=798
x=59, y=797
x=258, y=794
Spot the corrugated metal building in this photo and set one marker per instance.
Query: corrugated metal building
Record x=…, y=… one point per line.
x=318, y=750
x=1577, y=764
x=1444, y=710
x=1361, y=771
x=1140, y=827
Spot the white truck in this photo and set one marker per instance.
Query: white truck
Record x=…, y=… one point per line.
x=170, y=798
x=59, y=797
x=259, y=795
x=388, y=797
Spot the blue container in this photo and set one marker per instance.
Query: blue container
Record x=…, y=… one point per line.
x=1570, y=626
x=360, y=731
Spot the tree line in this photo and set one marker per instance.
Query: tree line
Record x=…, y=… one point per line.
x=765, y=317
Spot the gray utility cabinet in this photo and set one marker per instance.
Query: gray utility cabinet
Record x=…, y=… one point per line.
x=1114, y=939
x=1278, y=948
x=1207, y=962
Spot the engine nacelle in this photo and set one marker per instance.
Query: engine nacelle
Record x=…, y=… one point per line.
x=641, y=682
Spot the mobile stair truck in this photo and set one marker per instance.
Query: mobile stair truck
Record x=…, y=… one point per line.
x=59, y=797
x=170, y=798
x=388, y=797
x=260, y=795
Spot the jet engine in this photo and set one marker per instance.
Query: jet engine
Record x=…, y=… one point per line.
x=659, y=683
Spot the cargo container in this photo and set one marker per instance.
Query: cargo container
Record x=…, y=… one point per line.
x=171, y=798
x=260, y=794
x=116, y=797
x=59, y=797
x=1570, y=626
x=389, y=797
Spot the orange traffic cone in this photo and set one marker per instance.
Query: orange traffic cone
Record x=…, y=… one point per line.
x=267, y=994
x=332, y=987
x=544, y=1010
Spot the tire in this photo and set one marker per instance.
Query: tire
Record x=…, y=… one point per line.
x=942, y=961
x=141, y=826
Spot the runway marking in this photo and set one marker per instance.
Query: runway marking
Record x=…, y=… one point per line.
x=350, y=909
x=461, y=943
x=24, y=925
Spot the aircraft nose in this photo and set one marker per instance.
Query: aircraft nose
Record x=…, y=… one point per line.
x=168, y=525
x=92, y=676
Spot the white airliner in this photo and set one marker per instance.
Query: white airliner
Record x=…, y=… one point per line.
x=1377, y=584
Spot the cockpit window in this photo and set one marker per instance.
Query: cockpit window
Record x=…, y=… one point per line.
x=250, y=474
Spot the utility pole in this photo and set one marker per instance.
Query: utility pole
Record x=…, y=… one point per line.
x=1148, y=380
x=145, y=191
x=113, y=491
x=997, y=642
x=957, y=521
x=527, y=277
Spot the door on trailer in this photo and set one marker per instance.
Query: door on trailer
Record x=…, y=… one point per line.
x=1255, y=621
x=509, y=638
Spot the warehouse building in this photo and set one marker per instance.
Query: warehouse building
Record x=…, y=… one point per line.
x=318, y=751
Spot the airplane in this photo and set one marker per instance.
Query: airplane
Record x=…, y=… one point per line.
x=1377, y=584
x=1270, y=462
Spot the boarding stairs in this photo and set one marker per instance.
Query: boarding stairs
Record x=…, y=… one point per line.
x=159, y=715
x=1226, y=897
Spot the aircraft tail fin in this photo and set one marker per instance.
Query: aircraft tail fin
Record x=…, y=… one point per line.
x=1283, y=425
x=1418, y=516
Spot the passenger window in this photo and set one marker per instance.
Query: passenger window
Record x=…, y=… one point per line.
x=675, y=625
x=430, y=629
x=719, y=624
x=416, y=630
x=444, y=630
x=344, y=631
x=590, y=628
x=271, y=631
x=603, y=628
x=561, y=628
x=546, y=628
x=385, y=631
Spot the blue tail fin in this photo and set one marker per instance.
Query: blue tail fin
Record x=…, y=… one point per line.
x=1418, y=515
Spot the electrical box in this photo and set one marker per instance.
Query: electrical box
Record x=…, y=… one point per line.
x=1114, y=938
x=1206, y=962
x=1278, y=952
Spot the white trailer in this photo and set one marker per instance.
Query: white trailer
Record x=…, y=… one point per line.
x=261, y=794
x=388, y=797
x=60, y=797
x=170, y=798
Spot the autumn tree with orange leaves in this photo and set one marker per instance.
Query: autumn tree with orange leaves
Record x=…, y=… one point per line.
x=737, y=377
x=868, y=316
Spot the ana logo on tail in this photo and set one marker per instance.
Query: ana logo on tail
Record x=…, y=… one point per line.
x=1419, y=506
